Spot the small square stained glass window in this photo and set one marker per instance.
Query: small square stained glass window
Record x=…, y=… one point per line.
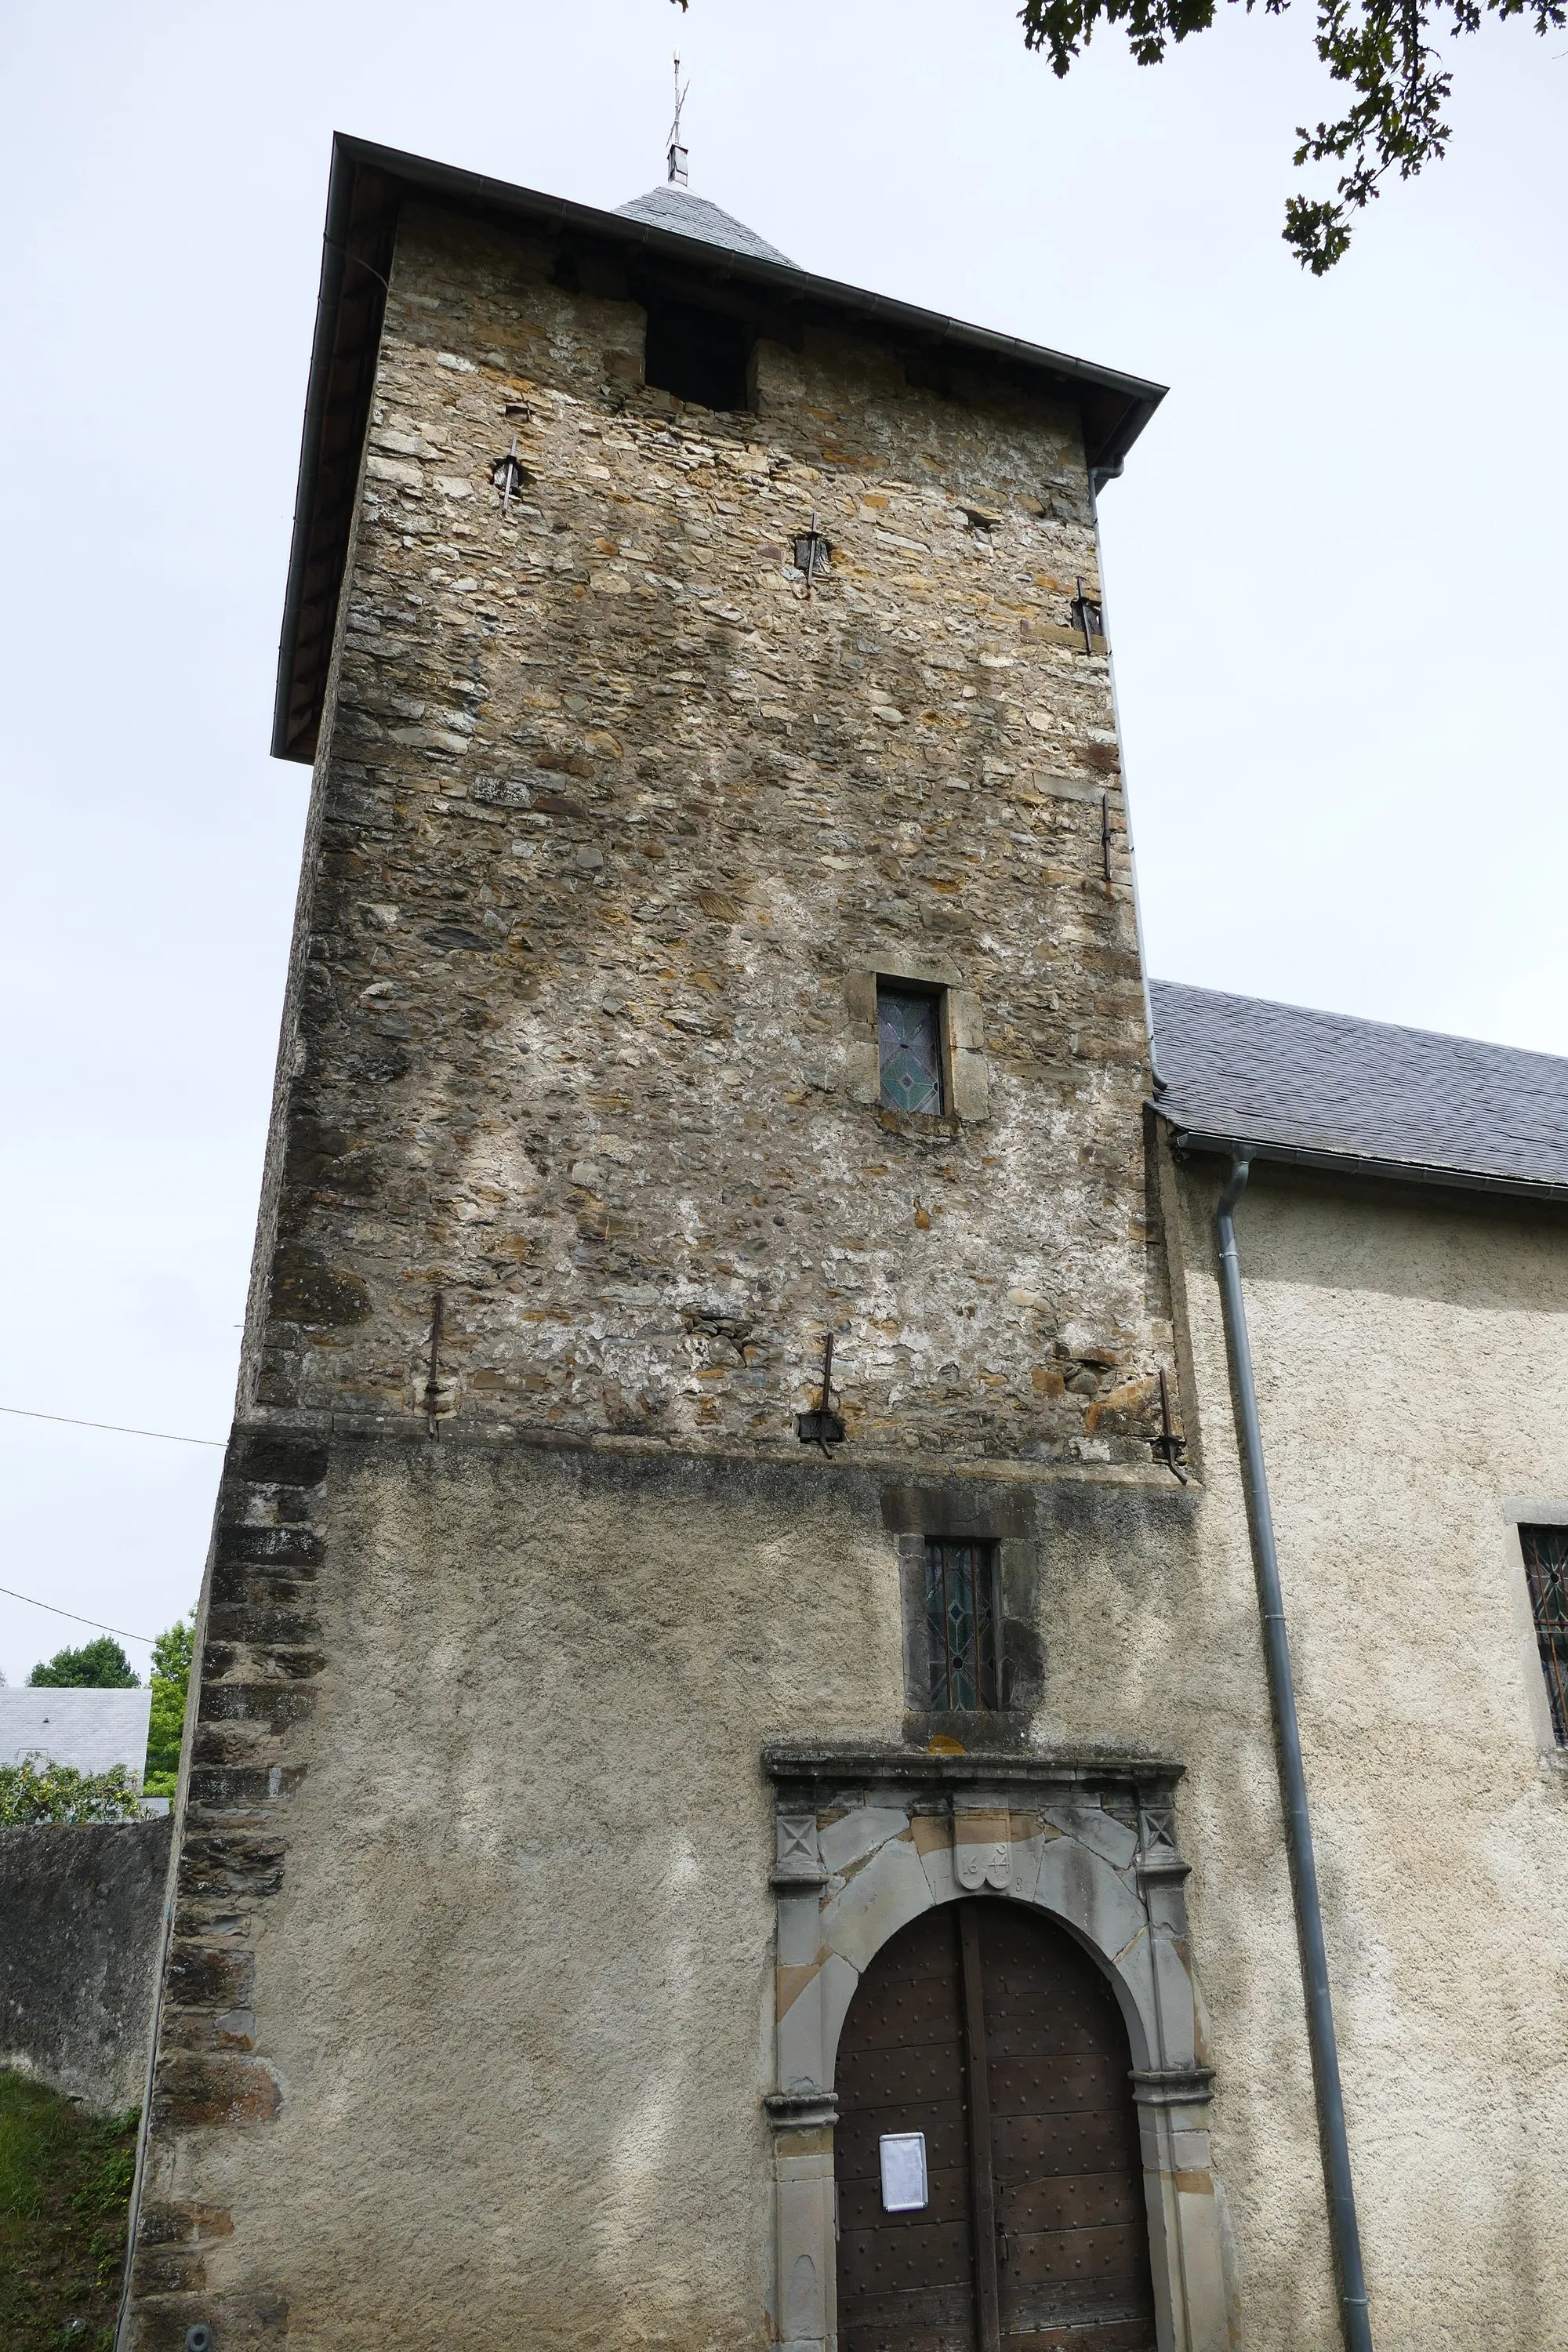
x=961, y=1625
x=908, y=1037
x=1546, y=1568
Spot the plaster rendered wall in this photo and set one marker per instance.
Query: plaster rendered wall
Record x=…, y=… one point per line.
x=81, y=1911
x=506, y=2010
x=616, y=824
x=1413, y=1382
x=471, y=2001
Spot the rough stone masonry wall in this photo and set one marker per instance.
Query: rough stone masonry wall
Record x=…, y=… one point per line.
x=616, y=824
x=216, y=2085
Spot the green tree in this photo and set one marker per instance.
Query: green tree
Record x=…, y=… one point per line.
x=1380, y=51
x=97, y=1666
x=170, y=1681
x=36, y=1791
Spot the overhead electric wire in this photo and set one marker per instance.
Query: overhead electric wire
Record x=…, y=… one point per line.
x=120, y=1429
x=71, y=1613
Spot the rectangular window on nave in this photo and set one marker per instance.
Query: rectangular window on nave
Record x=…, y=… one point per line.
x=1546, y=1570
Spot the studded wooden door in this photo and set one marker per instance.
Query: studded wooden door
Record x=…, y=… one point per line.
x=988, y=2031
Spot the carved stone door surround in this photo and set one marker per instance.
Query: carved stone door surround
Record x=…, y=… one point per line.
x=866, y=1840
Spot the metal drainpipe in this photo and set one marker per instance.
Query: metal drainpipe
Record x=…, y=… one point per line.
x=1342, y=2226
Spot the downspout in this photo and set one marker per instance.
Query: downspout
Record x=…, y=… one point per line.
x=1342, y=2227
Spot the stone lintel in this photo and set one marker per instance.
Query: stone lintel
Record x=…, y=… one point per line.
x=836, y=1767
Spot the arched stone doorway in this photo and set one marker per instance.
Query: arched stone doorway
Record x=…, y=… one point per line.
x=983, y=2066
x=870, y=1841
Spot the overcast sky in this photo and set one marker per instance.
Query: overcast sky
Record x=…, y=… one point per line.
x=1334, y=567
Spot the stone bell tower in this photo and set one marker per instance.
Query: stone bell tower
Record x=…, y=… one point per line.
x=663, y=741
x=705, y=1292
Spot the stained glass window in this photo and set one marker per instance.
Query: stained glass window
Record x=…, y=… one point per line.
x=961, y=1624
x=909, y=1034
x=1546, y=1567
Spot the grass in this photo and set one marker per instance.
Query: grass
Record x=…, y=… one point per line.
x=65, y=2189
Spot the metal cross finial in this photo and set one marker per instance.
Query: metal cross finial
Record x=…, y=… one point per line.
x=675, y=157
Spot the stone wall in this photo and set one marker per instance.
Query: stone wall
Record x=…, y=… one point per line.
x=617, y=821
x=81, y=1914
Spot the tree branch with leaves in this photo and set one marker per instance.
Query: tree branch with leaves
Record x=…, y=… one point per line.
x=1380, y=51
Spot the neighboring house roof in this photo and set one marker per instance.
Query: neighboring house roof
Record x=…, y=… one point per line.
x=1322, y=1089
x=366, y=190
x=675, y=207
x=89, y=1729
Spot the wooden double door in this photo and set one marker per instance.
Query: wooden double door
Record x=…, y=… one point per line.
x=988, y=2031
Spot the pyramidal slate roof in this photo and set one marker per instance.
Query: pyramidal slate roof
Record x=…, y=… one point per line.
x=1320, y=1088
x=674, y=207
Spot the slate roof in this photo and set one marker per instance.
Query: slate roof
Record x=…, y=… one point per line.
x=1322, y=1088
x=674, y=207
x=91, y=1731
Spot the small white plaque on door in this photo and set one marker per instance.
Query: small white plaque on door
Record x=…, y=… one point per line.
x=904, y=2187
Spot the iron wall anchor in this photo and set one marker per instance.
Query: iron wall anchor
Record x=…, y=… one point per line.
x=822, y=1426
x=1170, y=1447
x=509, y=475
x=1089, y=615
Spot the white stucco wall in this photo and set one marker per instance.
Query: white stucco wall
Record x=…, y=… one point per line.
x=1412, y=1365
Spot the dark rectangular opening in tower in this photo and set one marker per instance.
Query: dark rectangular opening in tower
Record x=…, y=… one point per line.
x=698, y=355
x=909, y=1049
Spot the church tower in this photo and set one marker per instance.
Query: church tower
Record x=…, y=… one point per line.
x=709, y=1386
